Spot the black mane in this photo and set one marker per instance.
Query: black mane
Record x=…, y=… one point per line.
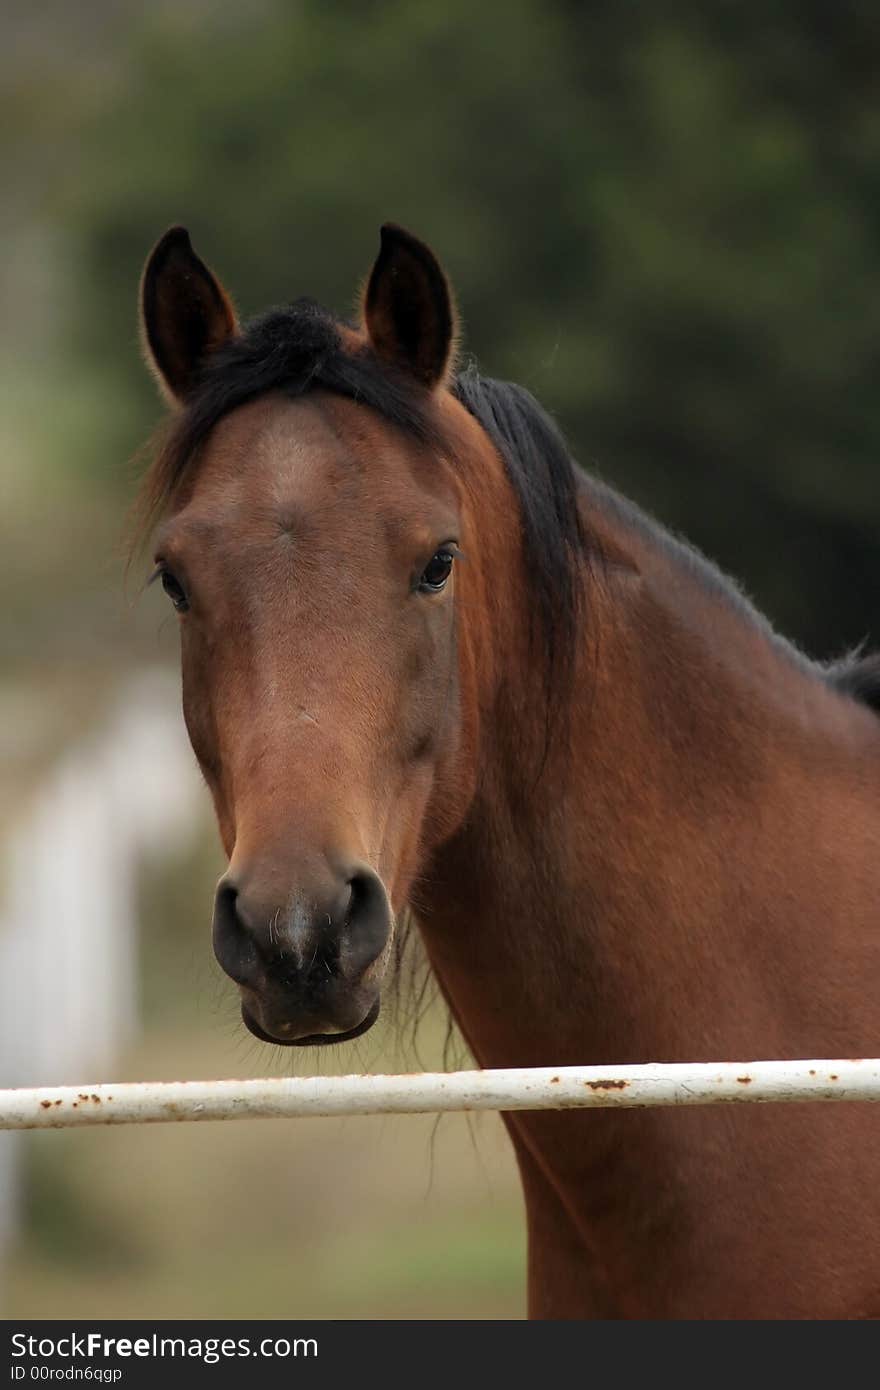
x=545, y=480
x=858, y=675
x=291, y=350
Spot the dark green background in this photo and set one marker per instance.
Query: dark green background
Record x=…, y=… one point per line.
x=663, y=218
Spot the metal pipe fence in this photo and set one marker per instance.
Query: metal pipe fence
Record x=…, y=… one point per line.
x=533, y=1088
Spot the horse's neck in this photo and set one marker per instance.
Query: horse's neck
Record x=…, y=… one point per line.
x=694, y=877
x=625, y=906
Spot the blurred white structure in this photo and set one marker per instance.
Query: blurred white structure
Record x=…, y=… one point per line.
x=68, y=894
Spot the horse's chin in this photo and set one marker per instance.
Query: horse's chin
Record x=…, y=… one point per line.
x=311, y=1039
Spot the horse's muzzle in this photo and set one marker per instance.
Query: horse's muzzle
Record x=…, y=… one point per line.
x=308, y=1039
x=310, y=972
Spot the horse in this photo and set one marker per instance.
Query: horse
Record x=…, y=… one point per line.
x=430, y=665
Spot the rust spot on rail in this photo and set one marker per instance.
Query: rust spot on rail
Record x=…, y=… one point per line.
x=744, y=1080
x=609, y=1085
x=45, y=1104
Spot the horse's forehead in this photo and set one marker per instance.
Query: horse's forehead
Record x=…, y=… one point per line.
x=317, y=462
x=305, y=450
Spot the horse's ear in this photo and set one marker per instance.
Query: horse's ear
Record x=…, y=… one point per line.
x=408, y=309
x=185, y=314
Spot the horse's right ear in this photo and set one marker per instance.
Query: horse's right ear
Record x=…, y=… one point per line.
x=185, y=314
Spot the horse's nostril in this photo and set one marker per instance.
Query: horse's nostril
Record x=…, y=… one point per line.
x=339, y=917
x=368, y=920
x=226, y=896
x=234, y=946
x=361, y=893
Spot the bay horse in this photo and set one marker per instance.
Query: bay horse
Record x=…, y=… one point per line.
x=429, y=664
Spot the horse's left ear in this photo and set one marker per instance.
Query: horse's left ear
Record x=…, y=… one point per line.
x=185, y=314
x=408, y=309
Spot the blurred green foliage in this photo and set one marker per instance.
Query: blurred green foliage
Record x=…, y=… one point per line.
x=661, y=218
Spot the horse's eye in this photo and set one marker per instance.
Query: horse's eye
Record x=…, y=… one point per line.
x=436, y=572
x=175, y=591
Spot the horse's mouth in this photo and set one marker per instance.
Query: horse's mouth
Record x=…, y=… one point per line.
x=311, y=1039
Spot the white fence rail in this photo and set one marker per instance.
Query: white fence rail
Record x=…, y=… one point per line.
x=534, y=1088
